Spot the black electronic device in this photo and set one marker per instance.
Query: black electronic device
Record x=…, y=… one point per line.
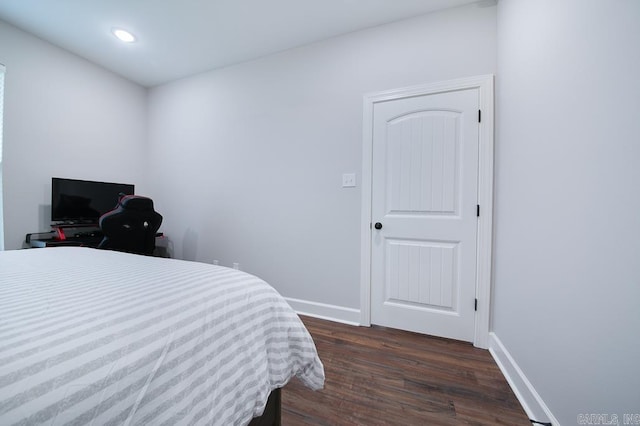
x=75, y=201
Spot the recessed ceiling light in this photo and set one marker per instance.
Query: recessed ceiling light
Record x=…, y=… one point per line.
x=123, y=35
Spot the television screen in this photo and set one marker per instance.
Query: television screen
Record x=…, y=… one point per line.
x=83, y=201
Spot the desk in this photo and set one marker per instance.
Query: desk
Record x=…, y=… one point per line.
x=72, y=235
x=92, y=239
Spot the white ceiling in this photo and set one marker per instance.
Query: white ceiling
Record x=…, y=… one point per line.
x=178, y=38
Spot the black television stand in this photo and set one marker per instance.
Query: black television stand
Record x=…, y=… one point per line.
x=82, y=235
x=67, y=234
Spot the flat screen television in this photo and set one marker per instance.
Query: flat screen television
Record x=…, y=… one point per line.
x=84, y=201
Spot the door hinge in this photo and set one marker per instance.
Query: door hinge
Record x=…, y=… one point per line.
x=479, y=116
x=475, y=305
x=478, y=210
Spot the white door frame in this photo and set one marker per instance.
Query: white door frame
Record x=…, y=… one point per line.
x=484, y=84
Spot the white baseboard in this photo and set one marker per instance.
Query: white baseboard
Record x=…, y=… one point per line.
x=531, y=401
x=324, y=311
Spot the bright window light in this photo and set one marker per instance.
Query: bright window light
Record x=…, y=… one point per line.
x=124, y=35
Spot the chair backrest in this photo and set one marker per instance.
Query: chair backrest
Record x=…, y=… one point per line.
x=131, y=226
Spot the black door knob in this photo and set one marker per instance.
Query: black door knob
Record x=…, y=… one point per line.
x=378, y=225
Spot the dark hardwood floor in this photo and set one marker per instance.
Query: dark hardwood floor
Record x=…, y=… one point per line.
x=382, y=376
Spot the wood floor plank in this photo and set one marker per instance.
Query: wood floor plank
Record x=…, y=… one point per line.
x=381, y=376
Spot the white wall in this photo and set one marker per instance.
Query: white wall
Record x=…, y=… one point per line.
x=567, y=242
x=65, y=117
x=248, y=160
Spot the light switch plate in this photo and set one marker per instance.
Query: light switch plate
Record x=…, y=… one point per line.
x=348, y=180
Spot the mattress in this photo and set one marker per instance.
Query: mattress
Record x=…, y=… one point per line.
x=107, y=338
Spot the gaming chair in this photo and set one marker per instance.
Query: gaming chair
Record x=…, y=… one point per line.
x=131, y=226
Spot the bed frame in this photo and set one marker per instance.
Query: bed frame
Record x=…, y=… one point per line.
x=271, y=415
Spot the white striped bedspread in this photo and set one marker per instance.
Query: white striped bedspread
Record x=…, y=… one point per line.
x=101, y=337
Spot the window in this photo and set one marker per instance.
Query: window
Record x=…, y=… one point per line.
x=1, y=115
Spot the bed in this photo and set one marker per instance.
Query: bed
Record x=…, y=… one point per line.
x=101, y=337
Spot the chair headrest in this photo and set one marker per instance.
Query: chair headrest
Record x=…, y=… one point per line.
x=136, y=202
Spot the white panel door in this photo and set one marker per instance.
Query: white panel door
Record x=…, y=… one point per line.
x=424, y=200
